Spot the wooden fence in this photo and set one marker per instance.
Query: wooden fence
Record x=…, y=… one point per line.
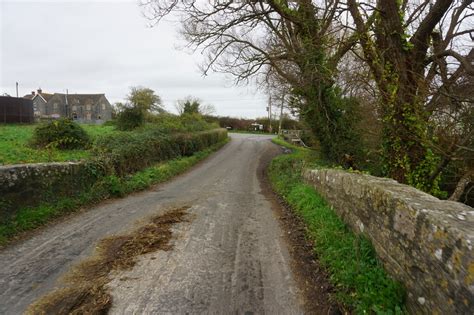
x=16, y=110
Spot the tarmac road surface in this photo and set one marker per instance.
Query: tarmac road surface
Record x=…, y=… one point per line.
x=230, y=257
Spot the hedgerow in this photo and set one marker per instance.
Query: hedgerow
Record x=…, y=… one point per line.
x=184, y=123
x=129, y=152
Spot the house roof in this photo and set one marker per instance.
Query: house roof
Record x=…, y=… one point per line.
x=45, y=96
x=81, y=98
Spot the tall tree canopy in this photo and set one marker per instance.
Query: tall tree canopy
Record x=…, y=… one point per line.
x=145, y=100
x=294, y=42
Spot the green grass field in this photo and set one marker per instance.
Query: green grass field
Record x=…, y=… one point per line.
x=15, y=148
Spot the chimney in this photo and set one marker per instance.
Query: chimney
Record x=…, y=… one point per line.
x=40, y=91
x=33, y=93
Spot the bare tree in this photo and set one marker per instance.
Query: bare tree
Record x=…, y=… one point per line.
x=207, y=109
x=414, y=53
x=191, y=104
x=293, y=40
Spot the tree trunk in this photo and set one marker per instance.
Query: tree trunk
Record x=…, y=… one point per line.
x=465, y=180
x=402, y=85
x=407, y=156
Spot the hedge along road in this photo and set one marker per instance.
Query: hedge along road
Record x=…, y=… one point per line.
x=230, y=256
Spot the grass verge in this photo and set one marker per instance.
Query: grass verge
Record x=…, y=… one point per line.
x=359, y=278
x=109, y=186
x=86, y=291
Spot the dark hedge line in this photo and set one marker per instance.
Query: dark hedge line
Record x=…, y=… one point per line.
x=130, y=152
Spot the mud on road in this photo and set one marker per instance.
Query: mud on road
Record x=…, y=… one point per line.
x=85, y=291
x=232, y=257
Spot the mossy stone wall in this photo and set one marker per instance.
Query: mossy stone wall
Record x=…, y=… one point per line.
x=424, y=242
x=28, y=184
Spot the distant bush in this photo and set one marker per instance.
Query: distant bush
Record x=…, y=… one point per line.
x=189, y=143
x=130, y=152
x=196, y=122
x=165, y=122
x=62, y=134
x=187, y=122
x=130, y=118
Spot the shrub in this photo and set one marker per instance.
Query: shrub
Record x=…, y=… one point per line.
x=195, y=122
x=62, y=134
x=166, y=122
x=184, y=123
x=130, y=118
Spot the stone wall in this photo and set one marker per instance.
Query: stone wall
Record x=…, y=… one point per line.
x=29, y=184
x=424, y=242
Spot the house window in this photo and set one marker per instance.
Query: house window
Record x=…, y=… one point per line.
x=103, y=106
x=74, y=107
x=55, y=106
x=88, y=107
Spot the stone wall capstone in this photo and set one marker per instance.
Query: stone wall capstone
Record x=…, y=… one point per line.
x=423, y=242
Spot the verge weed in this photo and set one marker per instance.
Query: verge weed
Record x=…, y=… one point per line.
x=359, y=278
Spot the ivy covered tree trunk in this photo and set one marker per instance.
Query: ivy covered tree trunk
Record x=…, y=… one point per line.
x=407, y=156
x=397, y=62
x=331, y=119
x=328, y=114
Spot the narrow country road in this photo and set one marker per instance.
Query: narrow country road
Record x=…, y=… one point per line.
x=230, y=257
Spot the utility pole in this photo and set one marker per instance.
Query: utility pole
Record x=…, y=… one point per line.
x=269, y=114
x=281, y=114
x=67, y=105
x=21, y=105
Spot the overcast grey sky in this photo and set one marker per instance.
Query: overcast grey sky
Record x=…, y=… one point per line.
x=89, y=46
